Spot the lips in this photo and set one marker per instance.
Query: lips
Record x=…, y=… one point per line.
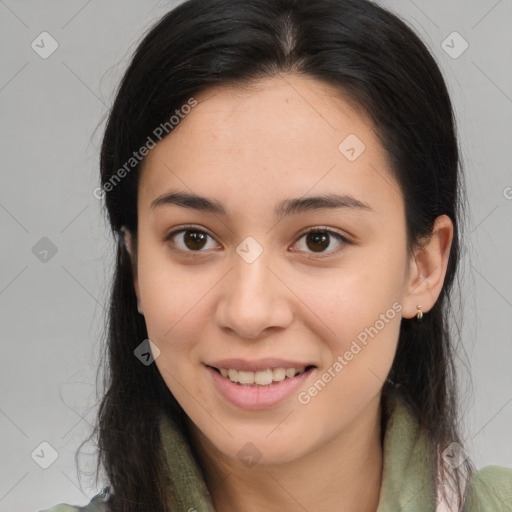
x=257, y=397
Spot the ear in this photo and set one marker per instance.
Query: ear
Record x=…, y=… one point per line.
x=128, y=242
x=427, y=269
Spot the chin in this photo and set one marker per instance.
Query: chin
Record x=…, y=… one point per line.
x=261, y=449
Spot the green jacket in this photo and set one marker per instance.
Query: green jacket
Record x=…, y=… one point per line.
x=408, y=484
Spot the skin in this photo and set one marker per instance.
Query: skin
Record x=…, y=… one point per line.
x=250, y=148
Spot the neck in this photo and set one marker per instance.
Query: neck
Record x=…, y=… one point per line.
x=344, y=473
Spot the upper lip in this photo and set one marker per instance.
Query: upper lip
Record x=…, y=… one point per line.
x=257, y=365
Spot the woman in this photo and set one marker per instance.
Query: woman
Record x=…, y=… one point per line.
x=284, y=182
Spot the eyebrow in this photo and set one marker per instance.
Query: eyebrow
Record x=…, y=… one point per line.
x=285, y=208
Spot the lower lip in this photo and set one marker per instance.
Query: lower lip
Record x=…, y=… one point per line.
x=256, y=398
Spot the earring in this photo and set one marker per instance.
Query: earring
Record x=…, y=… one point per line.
x=419, y=315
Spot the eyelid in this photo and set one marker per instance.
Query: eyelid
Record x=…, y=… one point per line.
x=323, y=229
x=186, y=227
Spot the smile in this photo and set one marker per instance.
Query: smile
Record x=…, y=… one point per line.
x=244, y=389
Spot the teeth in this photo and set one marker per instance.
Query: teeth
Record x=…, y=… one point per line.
x=278, y=374
x=290, y=372
x=245, y=377
x=261, y=378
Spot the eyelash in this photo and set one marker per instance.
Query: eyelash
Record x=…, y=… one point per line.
x=316, y=229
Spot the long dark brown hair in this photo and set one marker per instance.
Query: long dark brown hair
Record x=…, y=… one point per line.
x=364, y=51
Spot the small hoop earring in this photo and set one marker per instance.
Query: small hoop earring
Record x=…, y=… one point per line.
x=419, y=315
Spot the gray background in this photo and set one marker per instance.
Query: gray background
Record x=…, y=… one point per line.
x=51, y=312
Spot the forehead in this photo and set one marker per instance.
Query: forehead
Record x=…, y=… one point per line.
x=281, y=137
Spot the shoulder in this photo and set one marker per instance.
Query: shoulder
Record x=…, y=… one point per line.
x=61, y=507
x=490, y=488
x=99, y=503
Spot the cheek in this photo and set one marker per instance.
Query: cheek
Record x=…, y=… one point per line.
x=169, y=296
x=173, y=300
x=358, y=314
x=348, y=300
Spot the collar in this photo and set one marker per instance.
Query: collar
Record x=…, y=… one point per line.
x=407, y=478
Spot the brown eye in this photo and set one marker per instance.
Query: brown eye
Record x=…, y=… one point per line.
x=318, y=240
x=189, y=240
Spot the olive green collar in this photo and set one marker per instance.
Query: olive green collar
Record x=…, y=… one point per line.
x=407, y=479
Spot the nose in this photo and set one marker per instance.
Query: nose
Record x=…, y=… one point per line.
x=254, y=299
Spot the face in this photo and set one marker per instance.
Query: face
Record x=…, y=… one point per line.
x=250, y=284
